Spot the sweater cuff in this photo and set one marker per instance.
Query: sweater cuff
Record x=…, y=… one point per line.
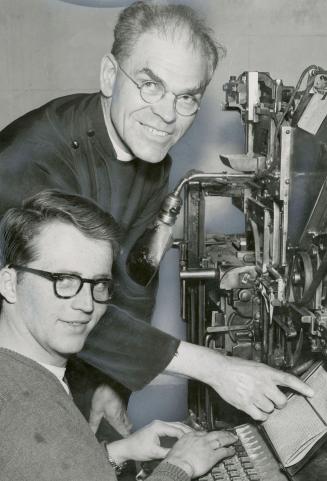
x=169, y=471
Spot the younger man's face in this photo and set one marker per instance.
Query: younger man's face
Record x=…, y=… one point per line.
x=53, y=327
x=150, y=130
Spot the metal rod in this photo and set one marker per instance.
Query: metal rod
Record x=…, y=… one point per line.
x=192, y=176
x=199, y=274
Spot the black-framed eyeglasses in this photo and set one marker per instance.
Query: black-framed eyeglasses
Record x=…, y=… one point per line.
x=152, y=91
x=67, y=285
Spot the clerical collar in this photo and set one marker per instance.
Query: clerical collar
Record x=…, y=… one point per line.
x=121, y=153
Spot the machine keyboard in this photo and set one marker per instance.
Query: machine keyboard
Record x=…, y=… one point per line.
x=252, y=461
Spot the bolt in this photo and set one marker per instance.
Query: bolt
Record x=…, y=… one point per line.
x=244, y=296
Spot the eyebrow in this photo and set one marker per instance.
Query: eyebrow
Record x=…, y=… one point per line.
x=98, y=276
x=153, y=76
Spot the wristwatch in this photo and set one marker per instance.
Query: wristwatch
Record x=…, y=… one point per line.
x=117, y=467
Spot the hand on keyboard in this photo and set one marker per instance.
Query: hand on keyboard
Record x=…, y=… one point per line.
x=198, y=451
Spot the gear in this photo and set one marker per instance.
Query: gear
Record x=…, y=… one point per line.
x=301, y=276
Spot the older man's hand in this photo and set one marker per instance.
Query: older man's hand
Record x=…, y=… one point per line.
x=253, y=387
x=106, y=403
x=247, y=385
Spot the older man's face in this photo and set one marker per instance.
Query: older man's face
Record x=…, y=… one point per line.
x=51, y=327
x=150, y=130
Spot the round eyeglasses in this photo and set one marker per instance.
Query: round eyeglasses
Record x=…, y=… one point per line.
x=152, y=91
x=68, y=285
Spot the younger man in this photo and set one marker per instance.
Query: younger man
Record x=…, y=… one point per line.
x=56, y=255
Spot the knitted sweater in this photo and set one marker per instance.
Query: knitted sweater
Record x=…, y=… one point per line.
x=43, y=436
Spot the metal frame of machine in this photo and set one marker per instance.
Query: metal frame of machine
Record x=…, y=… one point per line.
x=261, y=294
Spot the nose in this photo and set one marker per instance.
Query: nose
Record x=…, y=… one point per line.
x=83, y=301
x=165, y=108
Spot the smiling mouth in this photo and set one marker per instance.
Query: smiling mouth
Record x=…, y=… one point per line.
x=155, y=132
x=75, y=323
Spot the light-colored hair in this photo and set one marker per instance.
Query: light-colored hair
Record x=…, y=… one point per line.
x=164, y=19
x=20, y=227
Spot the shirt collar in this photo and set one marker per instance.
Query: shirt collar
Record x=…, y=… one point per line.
x=122, y=154
x=59, y=372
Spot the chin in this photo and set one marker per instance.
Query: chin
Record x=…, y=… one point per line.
x=149, y=151
x=74, y=348
x=153, y=157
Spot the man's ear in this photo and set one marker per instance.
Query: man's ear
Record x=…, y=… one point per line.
x=8, y=284
x=108, y=74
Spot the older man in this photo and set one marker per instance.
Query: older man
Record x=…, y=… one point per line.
x=55, y=284
x=113, y=147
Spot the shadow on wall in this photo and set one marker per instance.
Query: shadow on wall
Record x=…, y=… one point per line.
x=166, y=402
